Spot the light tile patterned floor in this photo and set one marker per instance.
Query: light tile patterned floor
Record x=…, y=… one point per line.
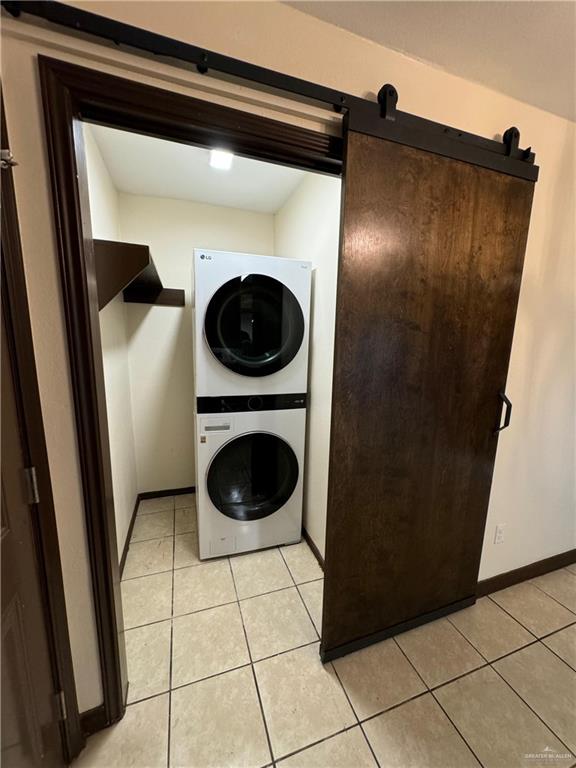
x=224, y=669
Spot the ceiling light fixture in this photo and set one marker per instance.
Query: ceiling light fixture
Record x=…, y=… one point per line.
x=221, y=159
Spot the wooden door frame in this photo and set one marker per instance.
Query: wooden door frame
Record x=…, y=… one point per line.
x=15, y=302
x=72, y=94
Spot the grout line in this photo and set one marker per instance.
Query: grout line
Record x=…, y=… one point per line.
x=263, y=594
x=367, y=740
x=558, y=657
x=470, y=643
x=155, y=511
x=555, y=631
x=306, y=581
x=171, y=649
x=409, y=660
x=151, y=538
x=166, y=570
x=331, y=664
x=512, y=616
x=188, y=506
x=490, y=661
x=459, y=677
x=546, y=725
x=153, y=573
x=458, y=731
x=209, y=677
x=556, y=600
x=141, y=513
x=432, y=688
x=392, y=707
x=289, y=650
x=354, y=711
x=178, y=615
x=300, y=594
x=318, y=741
x=252, y=668
x=547, y=634
x=535, y=641
x=150, y=624
x=431, y=692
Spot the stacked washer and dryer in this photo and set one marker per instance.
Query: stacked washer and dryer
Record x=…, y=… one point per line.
x=251, y=333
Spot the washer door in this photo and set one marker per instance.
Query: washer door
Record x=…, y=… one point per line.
x=254, y=325
x=252, y=476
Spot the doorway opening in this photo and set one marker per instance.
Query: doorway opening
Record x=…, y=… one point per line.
x=217, y=402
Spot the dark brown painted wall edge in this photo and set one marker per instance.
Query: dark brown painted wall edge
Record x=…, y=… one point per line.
x=530, y=571
x=166, y=492
x=148, y=495
x=313, y=547
x=129, y=536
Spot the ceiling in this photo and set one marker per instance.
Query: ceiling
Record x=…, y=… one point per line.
x=526, y=50
x=143, y=165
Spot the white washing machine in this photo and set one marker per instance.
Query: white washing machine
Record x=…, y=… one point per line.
x=252, y=316
x=250, y=463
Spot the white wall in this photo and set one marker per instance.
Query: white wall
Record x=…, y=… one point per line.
x=160, y=338
x=534, y=482
x=307, y=227
x=104, y=215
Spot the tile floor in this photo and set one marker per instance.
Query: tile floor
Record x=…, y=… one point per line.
x=224, y=669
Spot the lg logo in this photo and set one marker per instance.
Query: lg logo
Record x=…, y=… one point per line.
x=206, y=256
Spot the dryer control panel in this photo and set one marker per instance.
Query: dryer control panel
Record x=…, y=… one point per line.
x=246, y=403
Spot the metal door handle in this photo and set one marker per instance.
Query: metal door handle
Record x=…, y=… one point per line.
x=507, y=413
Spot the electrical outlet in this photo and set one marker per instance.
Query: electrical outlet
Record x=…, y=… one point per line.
x=499, y=534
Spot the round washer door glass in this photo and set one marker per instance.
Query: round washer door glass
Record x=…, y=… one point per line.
x=254, y=325
x=252, y=476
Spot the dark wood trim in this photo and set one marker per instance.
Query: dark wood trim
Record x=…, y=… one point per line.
x=313, y=547
x=62, y=108
x=363, y=642
x=93, y=720
x=117, y=265
x=130, y=268
x=15, y=299
x=166, y=492
x=109, y=100
x=530, y=571
x=166, y=297
x=126, y=546
x=70, y=95
x=147, y=288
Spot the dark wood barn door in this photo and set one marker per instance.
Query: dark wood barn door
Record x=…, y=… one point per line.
x=430, y=269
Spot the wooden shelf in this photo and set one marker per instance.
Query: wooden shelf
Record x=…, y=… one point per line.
x=129, y=267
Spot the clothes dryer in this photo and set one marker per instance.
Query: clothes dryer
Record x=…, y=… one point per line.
x=252, y=316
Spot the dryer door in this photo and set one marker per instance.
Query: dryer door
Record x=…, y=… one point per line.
x=254, y=325
x=252, y=476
